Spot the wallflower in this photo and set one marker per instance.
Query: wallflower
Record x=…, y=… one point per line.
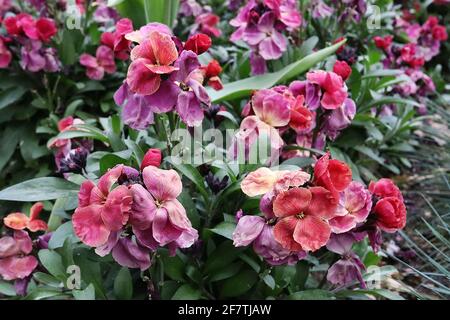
x=389, y=210
x=334, y=90
x=207, y=23
x=42, y=29
x=15, y=259
x=349, y=268
x=151, y=158
x=5, y=55
x=102, y=209
x=157, y=217
x=355, y=203
x=303, y=215
x=259, y=231
x=190, y=8
x=20, y=221
x=34, y=57
x=102, y=63
x=343, y=69
x=321, y=9
x=211, y=74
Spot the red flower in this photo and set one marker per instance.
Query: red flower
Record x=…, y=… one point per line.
x=301, y=117
x=303, y=217
x=390, y=210
x=198, y=43
x=5, y=55
x=152, y=158
x=343, y=69
x=207, y=23
x=439, y=33
x=42, y=29
x=334, y=175
x=211, y=74
x=45, y=29
x=20, y=221
x=383, y=42
x=408, y=55
x=15, y=25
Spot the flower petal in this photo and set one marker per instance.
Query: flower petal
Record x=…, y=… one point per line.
x=16, y=220
x=163, y=230
x=247, y=230
x=117, y=207
x=17, y=267
x=292, y=202
x=323, y=203
x=143, y=209
x=258, y=182
x=283, y=233
x=89, y=227
x=162, y=184
x=129, y=254
x=164, y=49
x=312, y=233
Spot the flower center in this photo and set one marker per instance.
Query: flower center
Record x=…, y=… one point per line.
x=300, y=215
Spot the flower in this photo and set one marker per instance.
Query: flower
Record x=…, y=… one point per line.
x=257, y=230
x=102, y=209
x=355, y=203
x=339, y=119
x=301, y=119
x=349, y=267
x=334, y=88
x=321, y=9
x=151, y=59
x=211, y=74
x=198, y=43
x=5, y=55
x=42, y=29
x=390, y=209
x=265, y=180
x=20, y=221
x=35, y=58
x=334, y=175
x=157, y=217
x=98, y=65
x=206, y=23
x=343, y=69
x=151, y=158
x=303, y=215
x=383, y=42
x=15, y=261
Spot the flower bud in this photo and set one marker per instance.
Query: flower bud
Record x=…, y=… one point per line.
x=198, y=43
x=151, y=158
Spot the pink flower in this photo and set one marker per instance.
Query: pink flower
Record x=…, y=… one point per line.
x=151, y=158
x=101, y=63
x=150, y=60
x=271, y=107
x=333, y=86
x=207, y=23
x=354, y=207
x=20, y=221
x=15, y=261
x=256, y=230
x=5, y=55
x=102, y=210
x=343, y=69
x=157, y=217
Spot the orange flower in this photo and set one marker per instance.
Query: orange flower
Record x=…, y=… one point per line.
x=20, y=221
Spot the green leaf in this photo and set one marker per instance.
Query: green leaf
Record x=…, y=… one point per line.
x=123, y=285
x=187, y=292
x=269, y=281
x=173, y=267
x=39, y=189
x=64, y=232
x=110, y=160
x=238, y=284
x=313, y=294
x=133, y=9
x=43, y=293
x=225, y=229
x=11, y=95
x=53, y=263
x=47, y=279
x=86, y=294
x=242, y=88
x=225, y=254
x=8, y=143
x=7, y=289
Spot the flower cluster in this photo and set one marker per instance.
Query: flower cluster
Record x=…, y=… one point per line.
x=425, y=41
x=313, y=109
x=303, y=215
x=352, y=10
x=113, y=46
x=131, y=213
x=261, y=24
x=30, y=37
x=165, y=75
x=71, y=154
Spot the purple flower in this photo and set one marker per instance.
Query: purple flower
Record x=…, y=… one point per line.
x=190, y=8
x=105, y=14
x=257, y=63
x=349, y=267
x=35, y=58
x=321, y=9
x=340, y=118
x=256, y=230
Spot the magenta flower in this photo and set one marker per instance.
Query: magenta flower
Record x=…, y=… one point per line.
x=339, y=119
x=35, y=58
x=15, y=261
x=207, y=23
x=102, y=63
x=334, y=89
x=320, y=9
x=5, y=55
x=157, y=217
x=354, y=207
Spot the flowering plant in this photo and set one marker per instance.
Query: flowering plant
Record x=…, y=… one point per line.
x=203, y=149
